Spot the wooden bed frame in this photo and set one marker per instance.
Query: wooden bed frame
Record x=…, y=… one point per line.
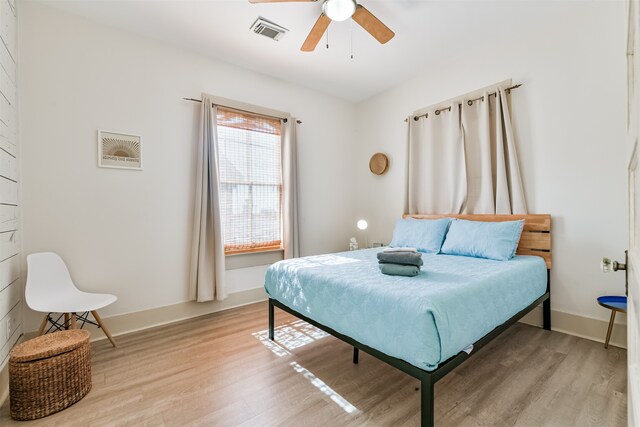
x=535, y=240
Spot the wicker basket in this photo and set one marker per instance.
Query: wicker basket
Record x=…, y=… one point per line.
x=49, y=373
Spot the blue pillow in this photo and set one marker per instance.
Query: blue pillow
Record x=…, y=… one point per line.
x=491, y=240
x=426, y=235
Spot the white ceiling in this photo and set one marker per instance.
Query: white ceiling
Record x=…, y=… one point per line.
x=426, y=32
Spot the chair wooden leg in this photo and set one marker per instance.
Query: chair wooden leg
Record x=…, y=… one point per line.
x=66, y=320
x=104, y=328
x=74, y=324
x=43, y=325
x=613, y=318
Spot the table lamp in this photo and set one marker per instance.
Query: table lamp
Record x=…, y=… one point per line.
x=362, y=225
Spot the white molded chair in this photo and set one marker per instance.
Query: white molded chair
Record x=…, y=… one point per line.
x=50, y=289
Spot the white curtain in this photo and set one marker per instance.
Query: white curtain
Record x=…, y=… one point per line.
x=464, y=160
x=514, y=178
x=436, y=175
x=207, y=275
x=290, y=233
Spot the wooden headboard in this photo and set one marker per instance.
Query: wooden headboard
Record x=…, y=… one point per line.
x=535, y=238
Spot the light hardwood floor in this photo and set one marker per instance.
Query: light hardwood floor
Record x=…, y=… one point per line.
x=221, y=370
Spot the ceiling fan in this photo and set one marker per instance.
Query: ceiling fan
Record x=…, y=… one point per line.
x=340, y=10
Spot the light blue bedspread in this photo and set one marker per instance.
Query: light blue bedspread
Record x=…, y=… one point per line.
x=425, y=319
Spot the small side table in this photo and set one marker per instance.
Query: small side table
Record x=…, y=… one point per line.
x=615, y=304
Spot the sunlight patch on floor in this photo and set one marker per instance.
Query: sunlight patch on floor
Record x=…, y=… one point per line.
x=320, y=385
x=275, y=348
x=290, y=336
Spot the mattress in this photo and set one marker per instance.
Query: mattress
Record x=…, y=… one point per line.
x=423, y=320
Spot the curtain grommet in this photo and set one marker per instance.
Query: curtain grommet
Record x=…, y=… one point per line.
x=470, y=102
x=437, y=112
x=416, y=118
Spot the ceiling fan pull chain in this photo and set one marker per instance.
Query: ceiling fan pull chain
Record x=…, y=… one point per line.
x=327, y=38
x=351, y=31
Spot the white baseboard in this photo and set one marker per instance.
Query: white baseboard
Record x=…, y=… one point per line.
x=583, y=327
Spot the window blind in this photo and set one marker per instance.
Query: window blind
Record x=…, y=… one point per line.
x=250, y=180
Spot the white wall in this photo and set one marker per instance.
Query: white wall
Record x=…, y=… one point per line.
x=570, y=122
x=128, y=232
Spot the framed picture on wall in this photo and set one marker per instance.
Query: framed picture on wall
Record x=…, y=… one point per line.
x=119, y=150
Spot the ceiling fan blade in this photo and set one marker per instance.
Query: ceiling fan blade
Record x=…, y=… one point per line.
x=372, y=25
x=316, y=33
x=280, y=1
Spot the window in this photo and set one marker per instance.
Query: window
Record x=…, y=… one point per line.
x=250, y=181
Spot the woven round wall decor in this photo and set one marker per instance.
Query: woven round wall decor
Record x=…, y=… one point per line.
x=379, y=164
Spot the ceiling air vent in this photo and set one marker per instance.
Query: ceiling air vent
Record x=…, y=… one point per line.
x=268, y=29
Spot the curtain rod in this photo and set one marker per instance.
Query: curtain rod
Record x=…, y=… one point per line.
x=284, y=119
x=469, y=102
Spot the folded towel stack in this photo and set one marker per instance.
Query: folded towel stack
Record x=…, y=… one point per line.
x=400, y=261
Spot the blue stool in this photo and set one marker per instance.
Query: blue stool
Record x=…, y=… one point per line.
x=615, y=304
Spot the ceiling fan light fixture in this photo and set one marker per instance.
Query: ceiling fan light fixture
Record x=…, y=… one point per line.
x=339, y=10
